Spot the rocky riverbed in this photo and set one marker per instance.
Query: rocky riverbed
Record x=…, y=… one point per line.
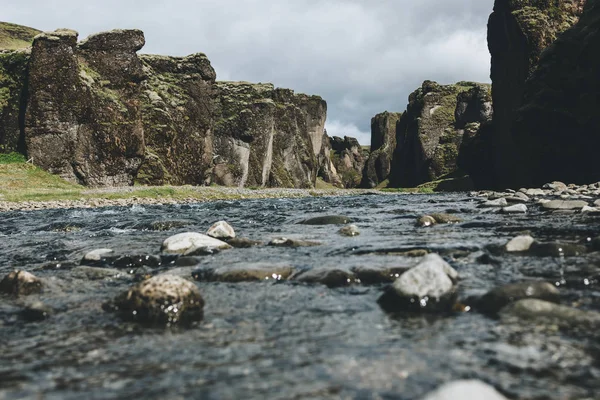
x=369, y=296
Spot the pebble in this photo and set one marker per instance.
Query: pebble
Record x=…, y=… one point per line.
x=20, y=283
x=519, y=244
x=184, y=242
x=465, y=390
x=162, y=300
x=349, y=230
x=221, y=230
x=516, y=209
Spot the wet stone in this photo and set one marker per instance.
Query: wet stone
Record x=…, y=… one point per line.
x=187, y=261
x=243, y=243
x=58, y=265
x=556, y=249
x=564, y=205
x=127, y=262
x=97, y=273
x=221, y=230
x=162, y=300
x=446, y=218
x=247, y=273
x=501, y=202
x=349, y=230
x=426, y=220
x=375, y=275
x=20, y=283
x=499, y=297
x=99, y=257
x=184, y=242
x=539, y=311
x=330, y=277
x=36, y=311
x=429, y=286
x=327, y=220
x=463, y=390
x=515, y=209
x=286, y=242
x=163, y=226
x=519, y=244
x=201, y=251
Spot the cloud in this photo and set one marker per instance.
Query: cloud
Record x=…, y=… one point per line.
x=363, y=57
x=341, y=129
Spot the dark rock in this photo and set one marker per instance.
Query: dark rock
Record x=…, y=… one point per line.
x=374, y=275
x=243, y=243
x=539, y=312
x=446, y=218
x=499, y=297
x=327, y=220
x=383, y=143
x=247, y=273
x=37, y=311
x=285, y=242
x=127, y=262
x=330, y=277
x=14, y=68
x=161, y=226
x=21, y=283
x=162, y=300
x=556, y=249
x=187, y=261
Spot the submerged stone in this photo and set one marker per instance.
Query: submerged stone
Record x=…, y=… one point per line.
x=330, y=277
x=163, y=299
x=556, y=249
x=285, y=242
x=243, y=243
x=375, y=275
x=426, y=220
x=98, y=257
x=539, y=311
x=246, y=273
x=349, y=230
x=498, y=298
x=183, y=242
x=20, y=283
x=327, y=220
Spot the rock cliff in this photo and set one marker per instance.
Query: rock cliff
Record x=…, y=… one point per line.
x=83, y=119
x=349, y=159
x=383, y=143
x=556, y=128
x=430, y=133
x=518, y=33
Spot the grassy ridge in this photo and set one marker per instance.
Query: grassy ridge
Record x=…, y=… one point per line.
x=14, y=37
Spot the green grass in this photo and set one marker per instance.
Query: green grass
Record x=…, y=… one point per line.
x=14, y=37
x=12, y=158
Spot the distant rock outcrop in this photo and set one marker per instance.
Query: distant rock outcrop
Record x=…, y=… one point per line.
x=83, y=119
x=383, y=143
x=349, y=160
x=518, y=33
x=430, y=133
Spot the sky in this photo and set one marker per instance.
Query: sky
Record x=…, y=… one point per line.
x=362, y=56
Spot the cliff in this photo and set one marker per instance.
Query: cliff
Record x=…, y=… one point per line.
x=430, y=133
x=518, y=33
x=349, y=159
x=556, y=128
x=99, y=114
x=383, y=143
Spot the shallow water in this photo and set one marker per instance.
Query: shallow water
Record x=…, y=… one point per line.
x=285, y=340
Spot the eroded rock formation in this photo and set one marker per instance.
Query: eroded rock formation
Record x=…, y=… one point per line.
x=383, y=143
x=349, y=160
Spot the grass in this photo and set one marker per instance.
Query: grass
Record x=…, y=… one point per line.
x=14, y=37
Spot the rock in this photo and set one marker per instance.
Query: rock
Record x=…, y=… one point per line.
x=36, y=311
x=494, y=203
x=467, y=389
x=539, y=311
x=247, y=273
x=221, y=230
x=327, y=220
x=564, y=205
x=590, y=210
x=535, y=192
x=187, y=261
x=285, y=242
x=556, y=249
x=243, y=243
x=129, y=262
x=429, y=286
x=331, y=277
x=83, y=116
x=374, y=275
x=201, y=251
x=98, y=257
x=597, y=203
x=516, y=209
x=183, y=243
x=426, y=220
x=163, y=299
x=430, y=133
x=499, y=297
x=349, y=160
x=97, y=273
x=162, y=226
x=556, y=186
x=349, y=230
x=519, y=244
x=21, y=283
x=446, y=218
x=383, y=143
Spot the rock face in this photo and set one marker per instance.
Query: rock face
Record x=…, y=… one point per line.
x=349, y=159
x=518, y=34
x=13, y=80
x=383, y=142
x=430, y=133
x=83, y=120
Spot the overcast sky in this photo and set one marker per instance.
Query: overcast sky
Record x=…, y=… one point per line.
x=362, y=56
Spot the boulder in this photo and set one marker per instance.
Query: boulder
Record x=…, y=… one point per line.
x=564, y=205
x=429, y=286
x=20, y=283
x=539, y=312
x=221, y=230
x=327, y=220
x=515, y=209
x=467, y=389
x=188, y=242
x=383, y=143
x=370, y=275
x=330, y=277
x=497, y=298
x=162, y=300
x=519, y=244
x=349, y=230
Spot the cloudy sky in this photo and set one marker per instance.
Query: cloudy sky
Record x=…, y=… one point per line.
x=362, y=56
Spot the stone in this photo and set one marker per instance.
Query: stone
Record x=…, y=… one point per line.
x=349, y=230
x=182, y=243
x=36, y=311
x=499, y=297
x=539, y=311
x=98, y=257
x=494, y=203
x=286, y=242
x=590, y=210
x=243, y=243
x=330, y=277
x=258, y=272
x=221, y=230
x=375, y=275
x=555, y=186
x=564, y=205
x=515, y=209
x=187, y=261
x=557, y=249
x=161, y=300
x=519, y=244
x=97, y=273
x=535, y=192
x=466, y=389
x=426, y=220
x=21, y=283
x=327, y=220
x=133, y=262
x=429, y=286
x=441, y=218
